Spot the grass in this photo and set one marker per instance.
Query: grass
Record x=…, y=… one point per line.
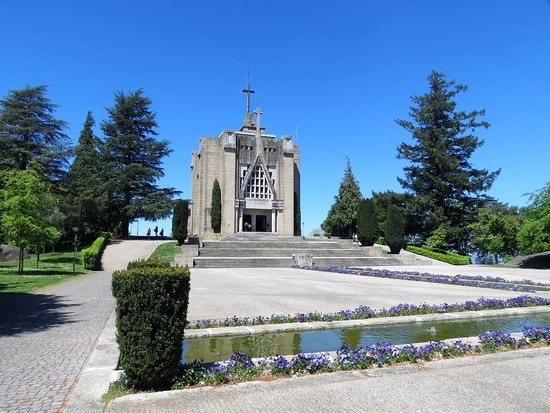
x=52, y=268
x=166, y=252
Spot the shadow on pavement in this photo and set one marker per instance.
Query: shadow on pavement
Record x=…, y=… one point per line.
x=25, y=313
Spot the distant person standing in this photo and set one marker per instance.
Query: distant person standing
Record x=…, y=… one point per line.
x=162, y=232
x=149, y=232
x=156, y=231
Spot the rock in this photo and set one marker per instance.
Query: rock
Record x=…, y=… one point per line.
x=10, y=253
x=539, y=261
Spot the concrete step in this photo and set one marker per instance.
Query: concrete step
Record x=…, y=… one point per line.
x=289, y=252
x=242, y=262
x=284, y=262
x=282, y=244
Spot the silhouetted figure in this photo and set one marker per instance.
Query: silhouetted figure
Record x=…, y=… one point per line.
x=149, y=232
x=156, y=231
x=162, y=232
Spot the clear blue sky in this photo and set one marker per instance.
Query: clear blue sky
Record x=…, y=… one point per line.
x=336, y=74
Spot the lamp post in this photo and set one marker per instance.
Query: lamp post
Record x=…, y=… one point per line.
x=75, y=246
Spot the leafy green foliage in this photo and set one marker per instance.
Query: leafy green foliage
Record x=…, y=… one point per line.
x=404, y=201
x=179, y=220
x=131, y=157
x=216, y=207
x=448, y=257
x=82, y=206
x=26, y=202
x=395, y=229
x=92, y=255
x=30, y=132
x=447, y=188
x=151, y=314
x=367, y=223
x=534, y=235
x=438, y=239
x=148, y=263
x=495, y=232
x=342, y=218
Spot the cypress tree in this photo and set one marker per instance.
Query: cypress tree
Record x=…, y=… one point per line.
x=367, y=223
x=395, y=228
x=179, y=220
x=216, y=207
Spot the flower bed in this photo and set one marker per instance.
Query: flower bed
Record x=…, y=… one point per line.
x=466, y=280
x=240, y=367
x=363, y=312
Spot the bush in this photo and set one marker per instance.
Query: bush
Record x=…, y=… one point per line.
x=148, y=263
x=92, y=255
x=179, y=220
x=367, y=223
x=448, y=257
x=395, y=229
x=151, y=313
x=216, y=207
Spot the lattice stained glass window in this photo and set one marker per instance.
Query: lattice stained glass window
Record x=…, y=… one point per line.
x=257, y=186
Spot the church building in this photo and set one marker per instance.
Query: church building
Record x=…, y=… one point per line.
x=259, y=178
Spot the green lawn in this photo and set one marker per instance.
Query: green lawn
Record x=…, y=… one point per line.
x=166, y=252
x=52, y=268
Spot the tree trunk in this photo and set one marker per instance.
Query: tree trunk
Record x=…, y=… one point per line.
x=20, y=264
x=124, y=228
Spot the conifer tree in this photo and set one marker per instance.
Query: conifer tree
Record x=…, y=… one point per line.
x=132, y=163
x=447, y=188
x=30, y=132
x=394, y=230
x=367, y=223
x=342, y=218
x=84, y=181
x=216, y=207
x=179, y=220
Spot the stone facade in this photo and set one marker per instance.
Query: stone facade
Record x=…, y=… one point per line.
x=259, y=177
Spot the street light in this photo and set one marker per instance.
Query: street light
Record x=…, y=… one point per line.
x=75, y=246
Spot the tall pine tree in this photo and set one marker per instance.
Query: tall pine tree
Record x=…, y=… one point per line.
x=82, y=207
x=447, y=188
x=30, y=132
x=342, y=218
x=132, y=163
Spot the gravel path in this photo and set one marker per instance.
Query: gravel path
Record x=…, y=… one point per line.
x=46, y=337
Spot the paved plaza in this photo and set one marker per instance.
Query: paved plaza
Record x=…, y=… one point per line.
x=58, y=348
x=46, y=337
x=248, y=292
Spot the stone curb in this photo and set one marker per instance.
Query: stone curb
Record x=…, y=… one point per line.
x=323, y=325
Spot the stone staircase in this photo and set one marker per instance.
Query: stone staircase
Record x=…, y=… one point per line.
x=256, y=249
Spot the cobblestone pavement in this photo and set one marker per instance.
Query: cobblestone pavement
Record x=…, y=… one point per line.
x=46, y=337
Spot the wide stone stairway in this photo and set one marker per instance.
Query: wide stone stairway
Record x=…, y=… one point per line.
x=261, y=249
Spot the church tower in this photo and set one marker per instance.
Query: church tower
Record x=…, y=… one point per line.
x=259, y=177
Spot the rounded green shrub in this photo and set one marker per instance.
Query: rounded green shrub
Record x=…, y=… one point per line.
x=92, y=255
x=151, y=313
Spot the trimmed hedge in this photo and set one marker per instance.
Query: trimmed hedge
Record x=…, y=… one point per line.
x=148, y=263
x=92, y=255
x=151, y=314
x=448, y=257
